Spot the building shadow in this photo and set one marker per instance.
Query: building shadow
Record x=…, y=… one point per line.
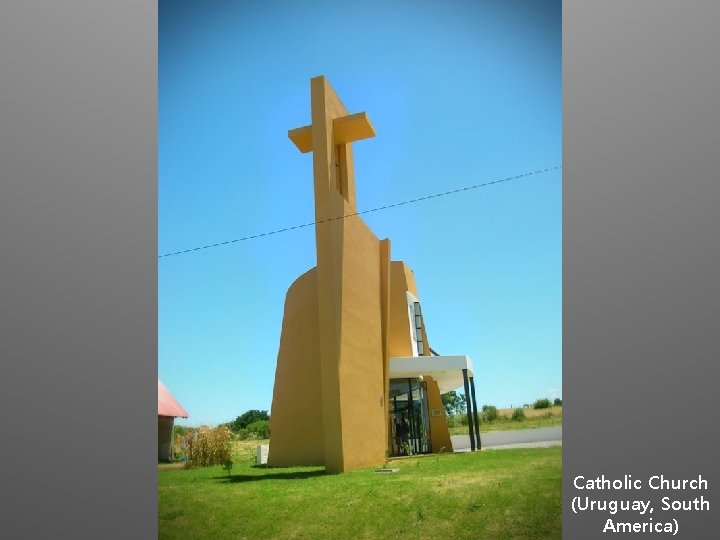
x=294, y=475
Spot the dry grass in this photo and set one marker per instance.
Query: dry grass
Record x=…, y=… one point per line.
x=207, y=446
x=534, y=418
x=534, y=413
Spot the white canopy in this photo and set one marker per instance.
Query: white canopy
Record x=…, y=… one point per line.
x=446, y=370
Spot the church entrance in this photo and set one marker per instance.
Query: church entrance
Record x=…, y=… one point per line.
x=409, y=420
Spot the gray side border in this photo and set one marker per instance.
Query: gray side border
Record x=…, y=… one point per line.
x=78, y=230
x=641, y=175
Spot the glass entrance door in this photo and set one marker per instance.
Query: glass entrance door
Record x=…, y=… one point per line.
x=409, y=421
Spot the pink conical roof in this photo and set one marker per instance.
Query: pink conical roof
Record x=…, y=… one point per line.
x=167, y=404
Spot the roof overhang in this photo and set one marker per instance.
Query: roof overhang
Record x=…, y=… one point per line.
x=168, y=405
x=445, y=370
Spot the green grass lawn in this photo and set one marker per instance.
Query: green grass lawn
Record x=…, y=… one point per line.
x=494, y=494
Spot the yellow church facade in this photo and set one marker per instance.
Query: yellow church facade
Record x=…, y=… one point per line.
x=356, y=379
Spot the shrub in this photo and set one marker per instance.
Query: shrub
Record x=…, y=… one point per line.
x=489, y=413
x=543, y=403
x=242, y=434
x=259, y=429
x=557, y=402
x=207, y=446
x=518, y=415
x=247, y=418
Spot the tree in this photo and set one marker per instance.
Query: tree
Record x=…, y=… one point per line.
x=542, y=403
x=247, y=418
x=557, y=402
x=260, y=429
x=454, y=403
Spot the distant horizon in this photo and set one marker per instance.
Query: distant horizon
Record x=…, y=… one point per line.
x=185, y=422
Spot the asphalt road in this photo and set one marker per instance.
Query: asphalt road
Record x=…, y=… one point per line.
x=521, y=438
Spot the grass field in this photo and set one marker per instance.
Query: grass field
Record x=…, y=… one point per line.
x=494, y=494
x=534, y=418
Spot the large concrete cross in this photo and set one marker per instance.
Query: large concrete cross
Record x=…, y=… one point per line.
x=329, y=138
x=348, y=269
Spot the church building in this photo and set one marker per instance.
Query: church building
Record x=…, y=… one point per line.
x=356, y=379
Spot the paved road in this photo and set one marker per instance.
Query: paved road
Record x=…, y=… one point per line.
x=520, y=438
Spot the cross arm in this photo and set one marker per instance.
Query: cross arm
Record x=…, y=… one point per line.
x=353, y=127
x=346, y=129
x=302, y=137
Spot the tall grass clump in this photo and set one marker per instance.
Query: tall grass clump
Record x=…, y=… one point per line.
x=207, y=446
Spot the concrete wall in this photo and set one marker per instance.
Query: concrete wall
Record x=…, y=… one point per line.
x=296, y=426
x=361, y=365
x=439, y=432
x=401, y=280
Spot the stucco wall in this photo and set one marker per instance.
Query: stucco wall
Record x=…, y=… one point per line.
x=401, y=280
x=361, y=371
x=439, y=432
x=296, y=428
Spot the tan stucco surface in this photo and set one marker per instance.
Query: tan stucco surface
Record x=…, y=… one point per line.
x=439, y=432
x=296, y=417
x=401, y=281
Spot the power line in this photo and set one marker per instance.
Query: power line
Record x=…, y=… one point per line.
x=394, y=205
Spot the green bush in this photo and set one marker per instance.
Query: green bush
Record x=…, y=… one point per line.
x=518, y=415
x=207, y=446
x=557, y=402
x=259, y=429
x=543, y=403
x=242, y=434
x=489, y=413
x=247, y=418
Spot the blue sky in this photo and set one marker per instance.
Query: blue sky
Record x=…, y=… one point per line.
x=459, y=93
